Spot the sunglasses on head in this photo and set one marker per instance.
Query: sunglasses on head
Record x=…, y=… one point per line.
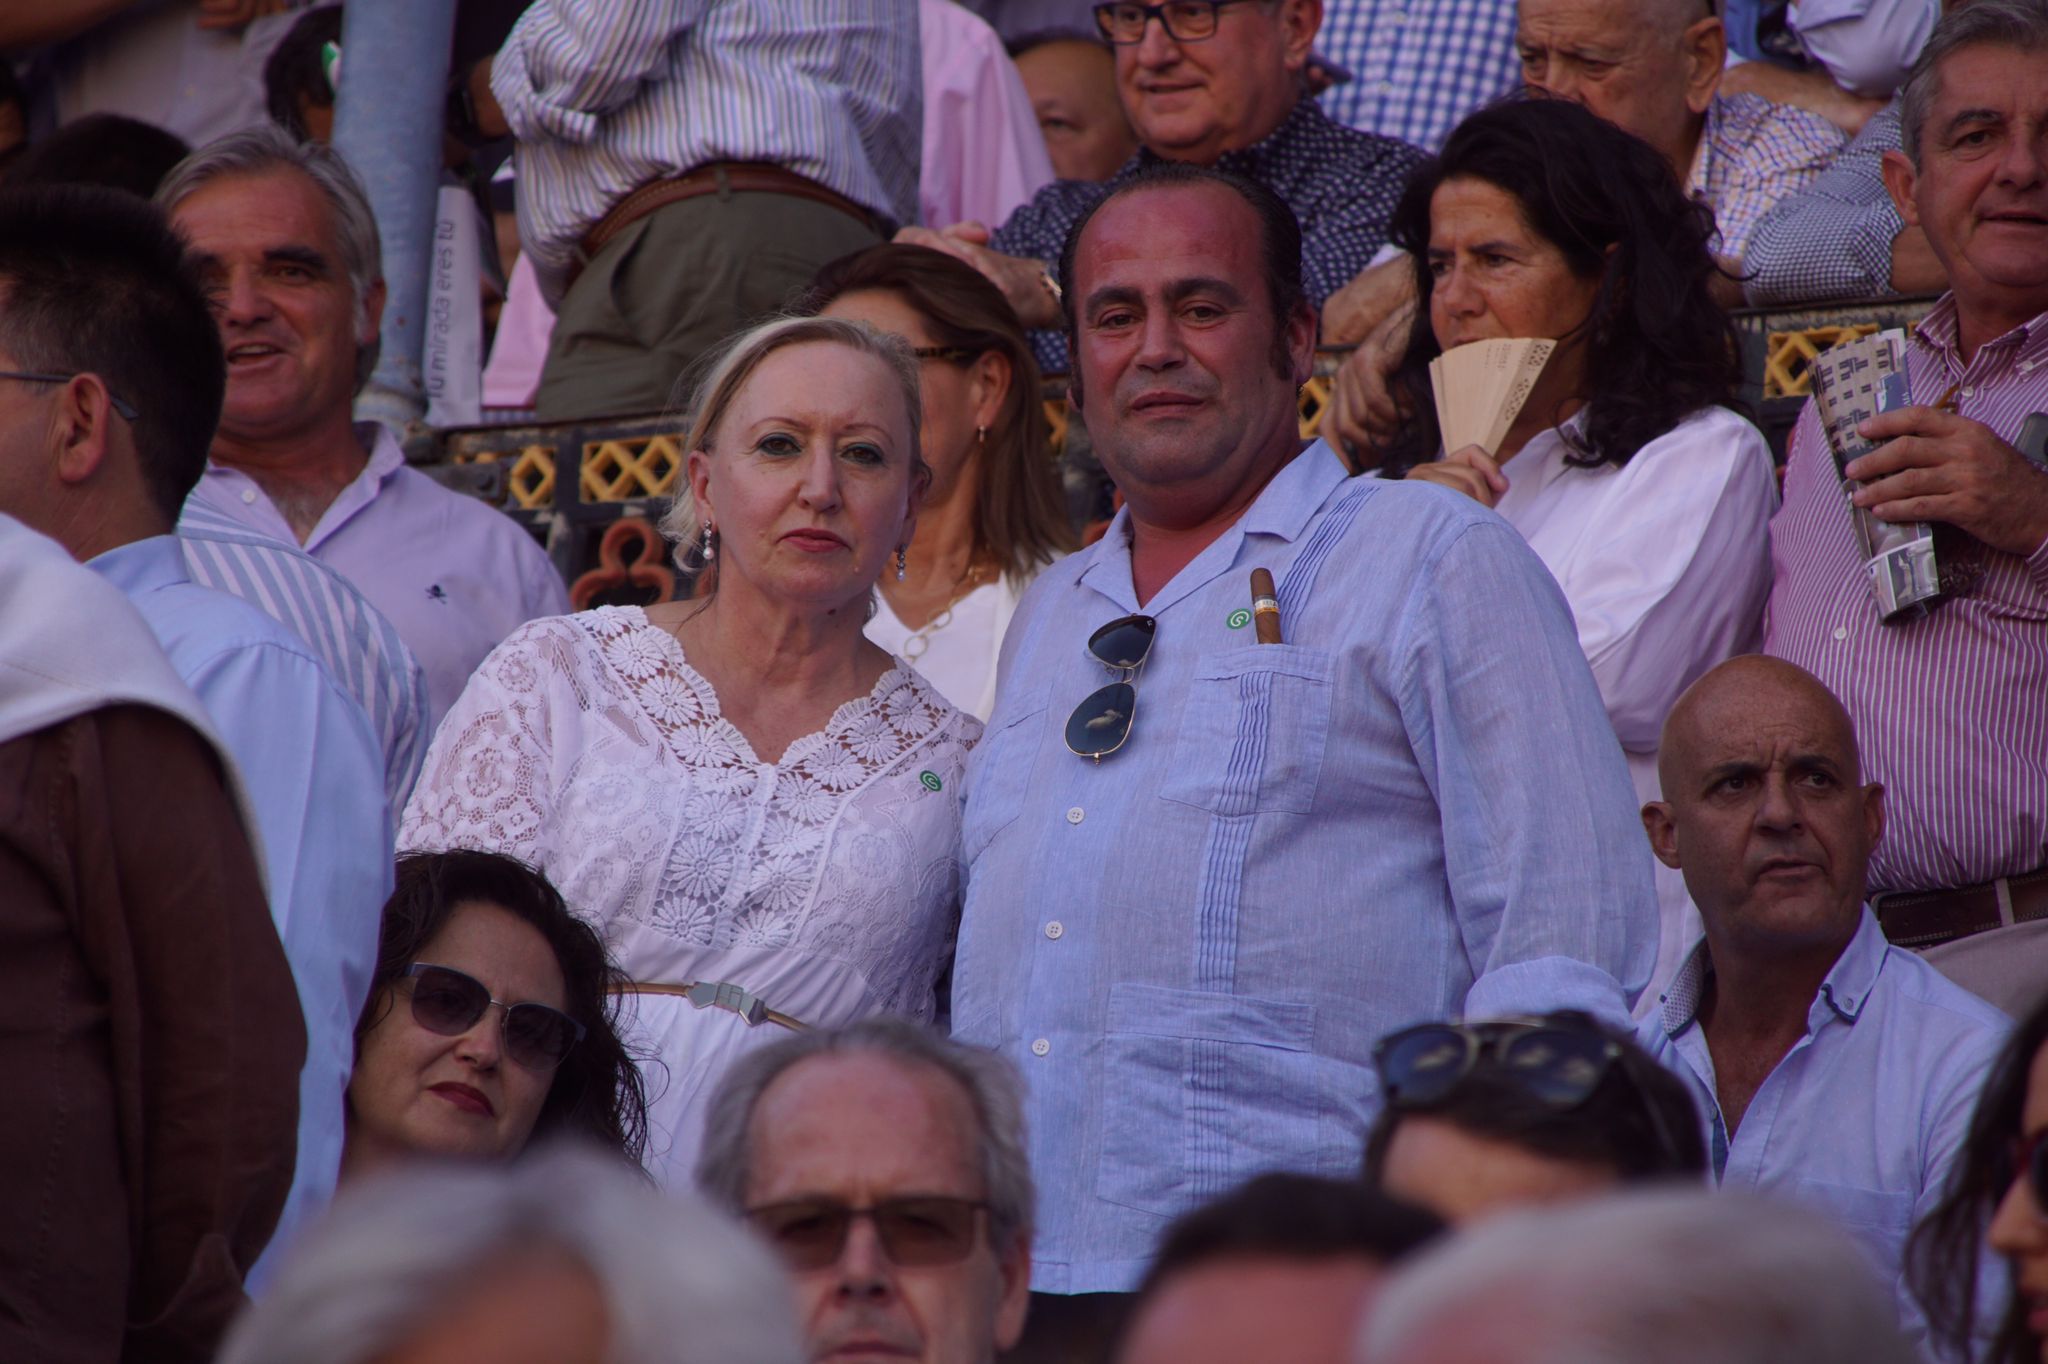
x=1101, y=723
x=447, y=1002
x=810, y=1233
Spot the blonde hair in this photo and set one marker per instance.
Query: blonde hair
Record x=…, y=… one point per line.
x=726, y=371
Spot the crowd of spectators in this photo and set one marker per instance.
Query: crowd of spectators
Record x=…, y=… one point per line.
x=1546, y=908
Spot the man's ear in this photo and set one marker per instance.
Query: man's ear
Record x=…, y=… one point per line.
x=1873, y=813
x=1663, y=832
x=1705, y=45
x=81, y=428
x=1901, y=180
x=1301, y=341
x=1015, y=1298
x=1300, y=21
x=372, y=318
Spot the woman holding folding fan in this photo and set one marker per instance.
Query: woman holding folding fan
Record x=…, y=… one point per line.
x=1647, y=497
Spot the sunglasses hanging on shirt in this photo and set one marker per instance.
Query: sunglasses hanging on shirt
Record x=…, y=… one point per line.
x=1101, y=723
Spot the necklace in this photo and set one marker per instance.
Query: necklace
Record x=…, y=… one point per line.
x=920, y=639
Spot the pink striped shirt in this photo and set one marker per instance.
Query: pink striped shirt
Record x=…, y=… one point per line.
x=1951, y=710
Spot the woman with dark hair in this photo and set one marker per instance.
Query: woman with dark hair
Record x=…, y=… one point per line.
x=490, y=1022
x=1478, y=1118
x=1995, y=1204
x=995, y=514
x=1645, y=495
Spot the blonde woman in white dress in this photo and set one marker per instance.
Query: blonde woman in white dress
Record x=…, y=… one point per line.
x=757, y=806
x=995, y=514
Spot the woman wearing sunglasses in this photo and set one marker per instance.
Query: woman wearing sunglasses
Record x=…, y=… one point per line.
x=489, y=1022
x=1482, y=1117
x=995, y=514
x=1995, y=1205
x=757, y=806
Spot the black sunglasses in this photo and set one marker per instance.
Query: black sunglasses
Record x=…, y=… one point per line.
x=810, y=1233
x=1101, y=723
x=1554, y=1063
x=1185, y=21
x=447, y=1002
x=2030, y=1161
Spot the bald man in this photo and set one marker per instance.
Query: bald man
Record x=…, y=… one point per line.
x=1833, y=1069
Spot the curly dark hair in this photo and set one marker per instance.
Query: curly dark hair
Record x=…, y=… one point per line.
x=597, y=1095
x=1943, y=1252
x=1658, y=348
x=1640, y=1121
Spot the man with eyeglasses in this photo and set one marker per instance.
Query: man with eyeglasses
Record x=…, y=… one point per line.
x=886, y=1166
x=1213, y=83
x=113, y=382
x=1834, y=1069
x=1206, y=872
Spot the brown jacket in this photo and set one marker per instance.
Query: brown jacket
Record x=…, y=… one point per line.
x=150, y=1045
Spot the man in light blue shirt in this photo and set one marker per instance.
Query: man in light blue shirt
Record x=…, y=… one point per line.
x=1413, y=807
x=1834, y=1069
x=113, y=380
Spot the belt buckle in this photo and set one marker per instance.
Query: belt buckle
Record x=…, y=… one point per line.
x=724, y=994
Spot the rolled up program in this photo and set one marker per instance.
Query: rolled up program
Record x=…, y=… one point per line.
x=1852, y=383
x=1480, y=388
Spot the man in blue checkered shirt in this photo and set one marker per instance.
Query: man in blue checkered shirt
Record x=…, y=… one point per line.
x=1418, y=66
x=1217, y=83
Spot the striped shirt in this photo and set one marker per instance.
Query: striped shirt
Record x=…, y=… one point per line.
x=606, y=97
x=1753, y=153
x=1418, y=66
x=351, y=637
x=1949, y=709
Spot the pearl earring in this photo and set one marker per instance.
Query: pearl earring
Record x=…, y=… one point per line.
x=710, y=544
x=899, y=563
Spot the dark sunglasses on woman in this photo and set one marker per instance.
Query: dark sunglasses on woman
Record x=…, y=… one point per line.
x=1556, y=1064
x=810, y=1233
x=447, y=1002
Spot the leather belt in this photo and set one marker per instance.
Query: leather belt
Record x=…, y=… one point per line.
x=719, y=994
x=1930, y=918
x=718, y=177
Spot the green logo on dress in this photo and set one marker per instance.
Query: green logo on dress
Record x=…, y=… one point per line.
x=1239, y=619
x=931, y=780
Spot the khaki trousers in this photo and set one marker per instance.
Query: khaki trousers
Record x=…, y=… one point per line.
x=674, y=284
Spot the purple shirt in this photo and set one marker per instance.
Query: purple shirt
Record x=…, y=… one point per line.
x=1948, y=708
x=455, y=575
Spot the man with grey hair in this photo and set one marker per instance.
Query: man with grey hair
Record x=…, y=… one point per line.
x=1670, y=1277
x=1947, y=708
x=287, y=245
x=567, y=1257
x=886, y=1165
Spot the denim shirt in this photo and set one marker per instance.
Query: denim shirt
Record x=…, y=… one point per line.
x=1414, y=807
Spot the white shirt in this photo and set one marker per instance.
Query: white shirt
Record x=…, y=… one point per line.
x=959, y=656
x=826, y=882
x=1666, y=562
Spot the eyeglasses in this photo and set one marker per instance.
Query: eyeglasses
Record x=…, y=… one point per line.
x=2030, y=1161
x=120, y=404
x=811, y=1233
x=1556, y=1064
x=447, y=1002
x=1100, y=724
x=957, y=354
x=1185, y=21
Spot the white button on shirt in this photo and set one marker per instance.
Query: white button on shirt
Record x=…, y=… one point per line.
x=1075, y=815
x=1040, y=1047
x=1054, y=929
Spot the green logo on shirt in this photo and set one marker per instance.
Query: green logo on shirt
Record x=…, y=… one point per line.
x=931, y=780
x=1239, y=618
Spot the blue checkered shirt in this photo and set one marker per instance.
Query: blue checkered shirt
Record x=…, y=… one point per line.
x=1419, y=66
x=1342, y=185
x=1752, y=154
x=1834, y=238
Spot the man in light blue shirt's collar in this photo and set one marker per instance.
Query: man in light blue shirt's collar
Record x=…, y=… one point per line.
x=1833, y=1068
x=112, y=384
x=1412, y=807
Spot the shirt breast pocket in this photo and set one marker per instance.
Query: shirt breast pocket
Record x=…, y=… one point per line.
x=1252, y=735
x=1877, y=1219
x=1206, y=1090
x=999, y=772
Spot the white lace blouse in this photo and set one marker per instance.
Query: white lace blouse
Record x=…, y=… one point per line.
x=827, y=883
